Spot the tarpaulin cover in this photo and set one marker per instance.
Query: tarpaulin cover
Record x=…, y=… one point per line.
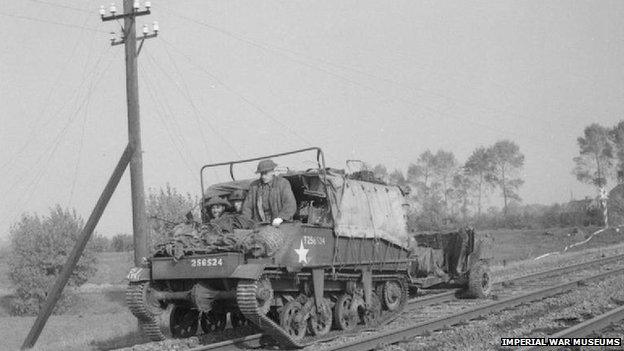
x=368, y=210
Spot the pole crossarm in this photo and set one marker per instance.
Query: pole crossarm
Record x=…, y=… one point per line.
x=141, y=39
x=55, y=292
x=124, y=15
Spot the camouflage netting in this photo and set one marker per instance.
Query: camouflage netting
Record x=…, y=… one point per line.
x=191, y=239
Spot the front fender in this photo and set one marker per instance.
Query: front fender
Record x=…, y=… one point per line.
x=248, y=271
x=138, y=274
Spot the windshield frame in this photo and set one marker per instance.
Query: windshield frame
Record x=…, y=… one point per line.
x=320, y=160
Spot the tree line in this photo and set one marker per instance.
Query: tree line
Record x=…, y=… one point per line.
x=445, y=192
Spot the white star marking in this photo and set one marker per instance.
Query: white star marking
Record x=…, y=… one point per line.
x=302, y=252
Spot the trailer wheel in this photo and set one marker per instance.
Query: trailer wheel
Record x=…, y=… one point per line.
x=479, y=281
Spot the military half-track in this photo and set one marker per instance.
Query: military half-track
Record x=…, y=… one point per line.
x=346, y=259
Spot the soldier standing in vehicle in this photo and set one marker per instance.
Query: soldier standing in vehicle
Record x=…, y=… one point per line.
x=270, y=198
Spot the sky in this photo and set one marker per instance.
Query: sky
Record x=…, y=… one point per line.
x=380, y=81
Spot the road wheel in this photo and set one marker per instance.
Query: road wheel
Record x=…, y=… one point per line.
x=293, y=320
x=321, y=319
x=345, y=316
x=479, y=281
x=392, y=295
x=183, y=321
x=371, y=314
x=237, y=319
x=213, y=321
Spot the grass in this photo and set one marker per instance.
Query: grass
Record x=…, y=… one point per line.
x=104, y=331
x=112, y=268
x=508, y=245
x=99, y=312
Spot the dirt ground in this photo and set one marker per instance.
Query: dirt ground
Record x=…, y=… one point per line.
x=100, y=320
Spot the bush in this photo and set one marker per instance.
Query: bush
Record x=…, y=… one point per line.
x=165, y=209
x=39, y=249
x=100, y=243
x=122, y=243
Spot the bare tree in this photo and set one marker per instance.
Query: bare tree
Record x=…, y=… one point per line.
x=421, y=174
x=595, y=163
x=445, y=168
x=462, y=187
x=479, y=167
x=397, y=178
x=506, y=164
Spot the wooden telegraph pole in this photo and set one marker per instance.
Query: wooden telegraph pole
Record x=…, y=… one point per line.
x=129, y=39
x=139, y=218
x=132, y=155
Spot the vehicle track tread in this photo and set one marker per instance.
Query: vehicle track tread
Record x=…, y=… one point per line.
x=148, y=322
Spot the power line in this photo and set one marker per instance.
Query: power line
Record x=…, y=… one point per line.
x=163, y=120
x=68, y=25
x=78, y=90
x=237, y=94
x=185, y=92
x=82, y=131
x=268, y=48
x=39, y=174
x=63, y=6
x=163, y=107
x=35, y=129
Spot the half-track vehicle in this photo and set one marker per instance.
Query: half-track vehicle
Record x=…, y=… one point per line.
x=346, y=259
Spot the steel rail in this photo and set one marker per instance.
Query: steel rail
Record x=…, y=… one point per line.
x=450, y=295
x=561, y=269
x=589, y=326
x=405, y=333
x=254, y=339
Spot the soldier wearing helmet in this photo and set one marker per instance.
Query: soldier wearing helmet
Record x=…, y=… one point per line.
x=236, y=199
x=215, y=207
x=270, y=198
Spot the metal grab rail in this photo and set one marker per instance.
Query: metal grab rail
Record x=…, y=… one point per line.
x=320, y=160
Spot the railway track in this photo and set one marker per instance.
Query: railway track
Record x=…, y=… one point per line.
x=401, y=334
x=587, y=327
x=256, y=340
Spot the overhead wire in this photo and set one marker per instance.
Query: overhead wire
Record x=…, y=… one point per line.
x=61, y=6
x=351, y=81
x=233, y=91
x=81, y=106
x=68, y=25
x=77, y=96
x=163, y=119
x=161, y=103
x=184, y=91
x=36, y=128
x=40, y=173
x=85, y=115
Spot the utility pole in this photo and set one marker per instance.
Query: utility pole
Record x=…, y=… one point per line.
x=132, y=10
x=132, y=155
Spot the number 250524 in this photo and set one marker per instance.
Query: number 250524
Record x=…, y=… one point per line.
x=206, y=262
